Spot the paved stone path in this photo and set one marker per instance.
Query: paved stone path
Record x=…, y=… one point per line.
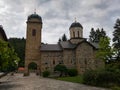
x=33, y=82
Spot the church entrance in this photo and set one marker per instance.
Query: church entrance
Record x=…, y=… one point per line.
x=32, y=67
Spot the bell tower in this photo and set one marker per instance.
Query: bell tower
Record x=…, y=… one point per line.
x=76, y=32
x=33, y=42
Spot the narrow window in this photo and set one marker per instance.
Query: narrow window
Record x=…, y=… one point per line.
x=85, y=61
x=71, y=61
x=53, y=62
x=73, y=34
x=78, y=34
x=33, y=32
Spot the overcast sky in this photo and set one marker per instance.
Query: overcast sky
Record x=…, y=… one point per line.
x=58, y=15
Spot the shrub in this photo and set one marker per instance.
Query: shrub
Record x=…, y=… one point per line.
x=115, y=88
x=89, y=77
x=46, y=73
x=61, y=68
x=101, y=78
x=106, y=78
x=72, y=72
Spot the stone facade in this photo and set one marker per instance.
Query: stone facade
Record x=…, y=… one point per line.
x=33, y=43
x=84, y=57
x=75, y=53
x=49, y=60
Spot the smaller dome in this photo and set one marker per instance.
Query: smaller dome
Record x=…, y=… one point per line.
x=34, y=16
x=76, y=24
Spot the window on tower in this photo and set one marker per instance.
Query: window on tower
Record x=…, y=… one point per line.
x=33, y=32
x=73, y=34
x=78, y=34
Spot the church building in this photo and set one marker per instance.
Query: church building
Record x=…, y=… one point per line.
x=76, y=52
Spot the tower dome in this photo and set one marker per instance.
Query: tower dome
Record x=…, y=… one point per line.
x=76, y=24
x=34, y=16
x=76, y=30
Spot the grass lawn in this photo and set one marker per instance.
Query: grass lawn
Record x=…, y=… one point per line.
x=76, y=79
x=79, y=79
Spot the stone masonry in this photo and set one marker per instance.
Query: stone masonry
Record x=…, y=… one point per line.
x=74, y=53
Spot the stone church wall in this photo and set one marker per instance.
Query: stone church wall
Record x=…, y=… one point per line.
x=76, y=41
x=84, y=57
x=50, y=59
x=69, y=58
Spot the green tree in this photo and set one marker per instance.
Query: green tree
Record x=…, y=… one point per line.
x=59, y=40
x=61, y=68
x=103, y=33
x=19, y=45
x=8, y=58
x=92, y=35
x=95, y=35
x=105, y=52
x=116, y=39
x=64, y=37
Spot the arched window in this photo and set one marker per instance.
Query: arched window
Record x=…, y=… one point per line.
x=33, y=32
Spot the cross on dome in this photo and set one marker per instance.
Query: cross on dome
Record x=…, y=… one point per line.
x=75, y=19
x=35, y=11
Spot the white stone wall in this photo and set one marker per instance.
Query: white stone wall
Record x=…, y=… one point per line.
x=76, y=40
x=76, y=32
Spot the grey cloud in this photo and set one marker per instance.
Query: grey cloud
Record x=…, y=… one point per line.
x=51, y=14
x=58, y=15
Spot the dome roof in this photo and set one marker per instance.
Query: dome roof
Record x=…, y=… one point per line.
x=76, y=24
x=34, y=16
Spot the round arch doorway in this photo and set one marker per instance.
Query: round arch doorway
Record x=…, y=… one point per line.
x=32, y=67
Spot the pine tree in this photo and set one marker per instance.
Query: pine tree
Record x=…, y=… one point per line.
x=95, y=35
x=64, y=38
x=116, y=38
x=59, y=40
x=92, y=35
x=103, y=33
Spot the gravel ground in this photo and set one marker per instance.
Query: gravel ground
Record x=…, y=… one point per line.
x=33, y=82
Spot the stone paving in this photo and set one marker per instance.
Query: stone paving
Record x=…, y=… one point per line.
x=33, y=82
